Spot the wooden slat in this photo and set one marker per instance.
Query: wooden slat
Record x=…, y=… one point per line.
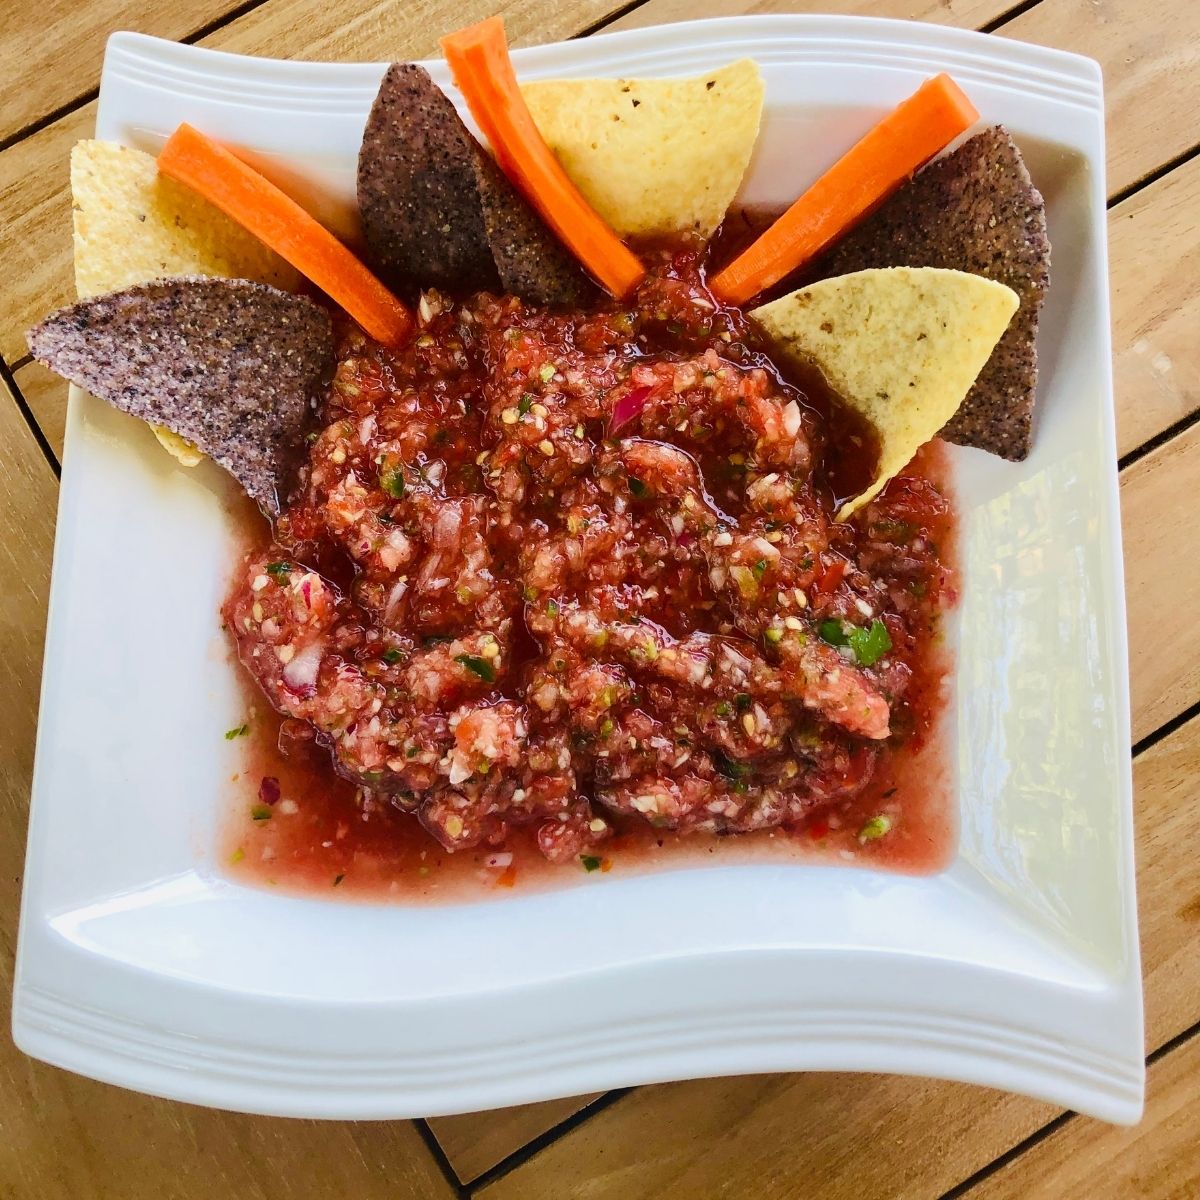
x=46, y=395
x=1162, y=580
x=35, y=216
x=1158, y=1159
x=1151, y=73
x=35, y=205
x=816, y=1136
x=364, y=31
x=841, y=1137
x=50, y=52
x=476, y=1142
x=1154, y=248
x=966, y=14
x=1167, y=787
x=65, y=1137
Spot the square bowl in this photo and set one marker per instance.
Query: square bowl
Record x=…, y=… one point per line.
x=1016, y=967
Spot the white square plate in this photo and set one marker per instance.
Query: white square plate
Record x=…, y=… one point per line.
x=1016, y=967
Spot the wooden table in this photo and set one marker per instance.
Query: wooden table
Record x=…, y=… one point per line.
x=803, y=1136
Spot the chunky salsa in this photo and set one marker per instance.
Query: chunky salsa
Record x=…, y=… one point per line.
x=560, y=576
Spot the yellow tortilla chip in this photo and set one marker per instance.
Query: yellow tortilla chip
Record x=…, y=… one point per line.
x=654, y=156
x=133, y=225
x=177, y=447
x=900, y=345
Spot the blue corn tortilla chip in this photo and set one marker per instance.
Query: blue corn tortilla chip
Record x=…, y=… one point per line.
x=975, y=210
x=437, y=211
x=234, y=367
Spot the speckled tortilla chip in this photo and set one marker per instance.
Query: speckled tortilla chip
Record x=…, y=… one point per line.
x=654, y=156
x=901, y=346
x=438, y=212
x=132, y=225
x=974, y=210
x=234, y=367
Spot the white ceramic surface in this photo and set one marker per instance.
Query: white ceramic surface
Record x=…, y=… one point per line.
x=1017, y=967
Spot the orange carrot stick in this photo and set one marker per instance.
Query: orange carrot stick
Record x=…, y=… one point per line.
x=478, y=58
x=277, y=220
x=907, y=138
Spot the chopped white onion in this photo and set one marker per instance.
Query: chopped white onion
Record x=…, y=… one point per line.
x=301, y=673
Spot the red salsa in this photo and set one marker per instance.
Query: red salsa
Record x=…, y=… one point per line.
x=566, y=587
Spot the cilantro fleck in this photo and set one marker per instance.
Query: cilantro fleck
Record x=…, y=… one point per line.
x=477, y=666
x=240, y=731
x=260, y=812
x=278, y=570
x=237, y=855
x=526, y=403
x=760, y=568
x=590, y=862
x=411, y=752
x=392, y=655
x=743, y=702
x=723, y=709
x=870, y=645
x=606, y=727
x=552, y=608
x=637, y=487
x=729, y=767
x=392, y=482
x=833, y=632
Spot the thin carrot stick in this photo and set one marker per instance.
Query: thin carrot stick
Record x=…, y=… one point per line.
x=277, y=220
x=479, y=61
x=907, y=138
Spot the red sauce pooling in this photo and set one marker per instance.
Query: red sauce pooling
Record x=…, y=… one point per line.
x=563, y=584
x=334, y=846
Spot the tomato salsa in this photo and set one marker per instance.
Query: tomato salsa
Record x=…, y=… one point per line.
x=566, y=587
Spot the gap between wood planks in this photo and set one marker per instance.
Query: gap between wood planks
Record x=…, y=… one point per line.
x=1001, y=1161
x=87, y=97
x=526, y=1152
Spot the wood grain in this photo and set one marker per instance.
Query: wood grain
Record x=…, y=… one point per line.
x=35, y=215
x=1167, y=793
x=1162, y=580
x=50, y=50
x=1151, y=73
x=46, y=395
x=1158, y=1159
x=476, y=1142
x=381, y=31
x=62, y=1137
x=839, y=1136
x=965, y=14
x=1154, y=255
